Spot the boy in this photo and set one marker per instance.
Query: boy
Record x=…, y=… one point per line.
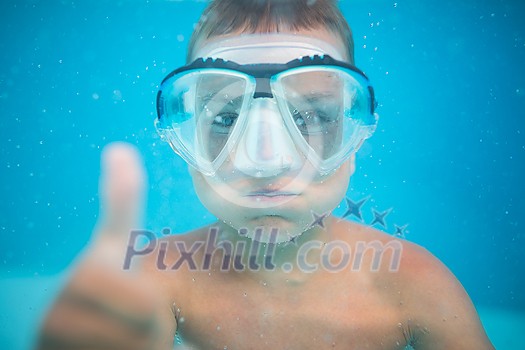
x=268, y=113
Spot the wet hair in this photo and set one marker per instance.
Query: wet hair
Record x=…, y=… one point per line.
x=222, y=17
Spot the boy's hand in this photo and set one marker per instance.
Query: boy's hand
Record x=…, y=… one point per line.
x=104, y=306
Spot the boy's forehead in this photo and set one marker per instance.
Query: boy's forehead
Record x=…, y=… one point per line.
x=272, y=47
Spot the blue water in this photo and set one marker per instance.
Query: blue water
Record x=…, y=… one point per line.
x=448, y=156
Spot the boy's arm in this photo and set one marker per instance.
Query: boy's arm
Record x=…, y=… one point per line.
x=104, y=306
x=442, y=315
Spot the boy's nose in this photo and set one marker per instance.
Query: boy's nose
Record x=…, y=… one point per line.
x=266, y=148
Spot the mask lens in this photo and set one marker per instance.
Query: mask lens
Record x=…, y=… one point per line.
x=219, y=103
x=314, y=100
x=328, y=107
x=199, y=110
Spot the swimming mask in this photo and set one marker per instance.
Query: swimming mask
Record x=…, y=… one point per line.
x=266, y=118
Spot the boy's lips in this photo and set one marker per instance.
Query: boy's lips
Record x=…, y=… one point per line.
x=271, y=195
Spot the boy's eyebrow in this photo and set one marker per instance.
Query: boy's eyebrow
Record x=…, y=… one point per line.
x=319, y=96
x=210, y=96
x=310, y=98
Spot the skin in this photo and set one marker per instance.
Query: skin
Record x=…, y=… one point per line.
x=103, y=306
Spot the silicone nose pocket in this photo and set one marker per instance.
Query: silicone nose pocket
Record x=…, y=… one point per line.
x=266, y=148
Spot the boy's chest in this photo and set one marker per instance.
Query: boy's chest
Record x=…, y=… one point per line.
x=315, y=318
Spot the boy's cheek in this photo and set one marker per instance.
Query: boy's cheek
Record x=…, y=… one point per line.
x=351, y=164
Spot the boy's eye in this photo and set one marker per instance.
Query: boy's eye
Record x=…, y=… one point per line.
x=223, y=122
x=312, y=121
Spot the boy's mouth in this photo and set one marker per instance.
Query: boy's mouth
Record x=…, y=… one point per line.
x=271, y=195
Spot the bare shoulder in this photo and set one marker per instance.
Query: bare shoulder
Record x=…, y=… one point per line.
x=437, y=312
x=439, y=306
x=415, y=265
x=374, y=249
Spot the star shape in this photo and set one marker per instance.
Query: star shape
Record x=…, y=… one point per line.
x=318, y=219
x=379, y=217
x=354, y=208
x=292, y=240
x=400, y=231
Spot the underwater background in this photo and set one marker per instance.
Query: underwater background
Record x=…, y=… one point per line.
x=447, y=160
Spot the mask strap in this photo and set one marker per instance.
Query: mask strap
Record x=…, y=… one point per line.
x=267, y=48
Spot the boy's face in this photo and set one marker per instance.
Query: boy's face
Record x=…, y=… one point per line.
x=285, y=199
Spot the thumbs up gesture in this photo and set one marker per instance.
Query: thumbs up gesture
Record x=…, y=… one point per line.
x=104, y=306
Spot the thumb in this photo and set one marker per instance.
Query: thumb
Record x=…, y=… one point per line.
x=122, y=187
